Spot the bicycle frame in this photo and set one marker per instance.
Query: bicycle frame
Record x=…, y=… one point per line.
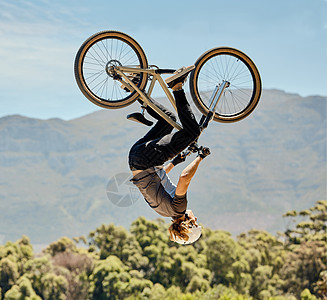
x=146, y=97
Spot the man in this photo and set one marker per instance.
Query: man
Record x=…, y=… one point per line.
x=147, y=156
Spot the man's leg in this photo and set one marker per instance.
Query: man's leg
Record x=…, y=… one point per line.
x=143, y=153
x=185, y=114
x=161, y=128
x=174, y=143
x=164, y=145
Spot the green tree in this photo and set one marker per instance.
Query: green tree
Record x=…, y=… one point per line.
x=198, y=283
x=320, y=287
x=111, y=279
x=76, y=268
x=303, y=266
x=138, y=284
x=157, y=292
x=149, y=232
x=265, y=255
x=170, y=264
x=221, y=292
x=222, y=252
x=8, y=274
x=152, y=238
x=263, y=249
x=22, y=291
x=64, y=244
x=144, y=264
x=13, y=256
x=311, y=224
x=306, y=295
x=46, y=283
x=116, y=240
x=307, y=255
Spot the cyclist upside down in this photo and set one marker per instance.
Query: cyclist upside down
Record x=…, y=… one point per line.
x=159, y=145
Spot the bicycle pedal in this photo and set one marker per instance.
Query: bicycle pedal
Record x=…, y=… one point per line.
x=138, y=117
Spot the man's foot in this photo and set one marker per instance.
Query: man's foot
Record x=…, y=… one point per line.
x=179, y=77
x=138, y=117
x=203, y=152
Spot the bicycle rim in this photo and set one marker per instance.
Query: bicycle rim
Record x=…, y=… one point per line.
x=231, y=65
x=96, y=56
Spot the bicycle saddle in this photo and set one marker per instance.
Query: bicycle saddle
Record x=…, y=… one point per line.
x=165, y=71
x=138, y=117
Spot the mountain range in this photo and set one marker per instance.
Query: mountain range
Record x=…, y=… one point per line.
x=65, y=178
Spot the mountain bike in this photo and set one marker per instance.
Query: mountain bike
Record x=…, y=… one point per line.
x=112, y=71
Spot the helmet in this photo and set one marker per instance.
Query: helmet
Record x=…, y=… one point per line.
x=193, y=236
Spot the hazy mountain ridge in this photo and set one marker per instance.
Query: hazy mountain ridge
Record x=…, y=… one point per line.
x=54, y=172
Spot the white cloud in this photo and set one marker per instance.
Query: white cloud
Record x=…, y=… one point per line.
x=37, y=43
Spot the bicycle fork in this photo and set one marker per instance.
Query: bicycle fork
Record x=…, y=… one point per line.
x=204, y=122
x=215, y=97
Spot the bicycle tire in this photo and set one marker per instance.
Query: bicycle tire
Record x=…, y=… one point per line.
x=92, y=61
x=234, y=66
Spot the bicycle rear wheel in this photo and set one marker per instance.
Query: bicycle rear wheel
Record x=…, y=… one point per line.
x=93, y=60
x=229, y=64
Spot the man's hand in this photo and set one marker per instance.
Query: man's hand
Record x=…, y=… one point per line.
x=192, y=218
x=203, y=152
x=178, y=159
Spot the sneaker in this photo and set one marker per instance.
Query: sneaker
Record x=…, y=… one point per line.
x=138, y=117
x=180, y=76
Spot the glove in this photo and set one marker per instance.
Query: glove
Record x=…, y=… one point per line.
x=178, y=159
x=203, y=152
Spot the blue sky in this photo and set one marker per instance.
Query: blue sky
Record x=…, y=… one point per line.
x=39, y=40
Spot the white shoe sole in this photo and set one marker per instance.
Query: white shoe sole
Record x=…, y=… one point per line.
x=179, y=73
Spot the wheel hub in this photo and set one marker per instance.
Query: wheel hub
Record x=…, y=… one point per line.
x=110, y=67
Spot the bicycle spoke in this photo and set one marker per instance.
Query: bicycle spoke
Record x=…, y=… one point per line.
x=226, y=67
x=94, y=77
x=108, y=51
x=96, y=68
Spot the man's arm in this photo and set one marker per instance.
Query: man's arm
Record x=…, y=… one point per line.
x=186, y=176
x=168, y=167
x=189, y=172
x=177, y=160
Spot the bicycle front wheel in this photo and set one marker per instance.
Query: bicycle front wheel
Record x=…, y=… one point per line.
x=242, y=95
x=92, y=64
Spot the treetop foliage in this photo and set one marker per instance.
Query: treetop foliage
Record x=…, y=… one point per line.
x=142, y=263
